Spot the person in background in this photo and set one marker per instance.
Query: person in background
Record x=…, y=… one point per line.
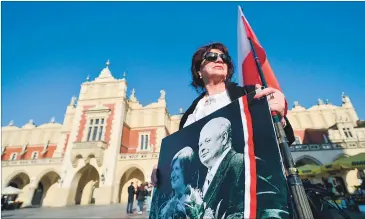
x=136, y=196
x=131, y=193
x=141, y=197
x=149, y=189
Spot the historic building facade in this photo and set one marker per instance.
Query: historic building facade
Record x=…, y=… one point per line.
x=108, y=140
x=326, y=133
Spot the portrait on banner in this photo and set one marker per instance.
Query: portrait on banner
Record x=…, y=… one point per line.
x=210, y=169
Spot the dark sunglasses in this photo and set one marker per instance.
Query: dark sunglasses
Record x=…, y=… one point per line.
x=213, y=56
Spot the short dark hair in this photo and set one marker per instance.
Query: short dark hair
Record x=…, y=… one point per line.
x=186, y=157
x=196, y=62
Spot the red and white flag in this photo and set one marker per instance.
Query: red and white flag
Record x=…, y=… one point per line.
x=249, y=75
x=248, y=72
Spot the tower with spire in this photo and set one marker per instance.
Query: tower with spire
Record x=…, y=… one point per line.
x=101, y=103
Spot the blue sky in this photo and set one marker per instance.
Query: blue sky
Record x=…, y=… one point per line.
x=48, y=48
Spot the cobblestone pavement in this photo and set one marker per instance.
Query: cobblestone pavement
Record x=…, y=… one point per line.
x=91, y=211
x=97, y=211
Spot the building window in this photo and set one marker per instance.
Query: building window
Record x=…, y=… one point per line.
x=297, y=140
x=13, y=156
x=347, y=132
x=3, y=150
x=144, y=141
x=35, y=155
x=95, y=129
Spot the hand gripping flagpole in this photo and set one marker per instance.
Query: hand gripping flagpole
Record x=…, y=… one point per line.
x=296, y=189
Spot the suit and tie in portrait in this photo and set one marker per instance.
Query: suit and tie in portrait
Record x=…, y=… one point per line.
x=223, y=188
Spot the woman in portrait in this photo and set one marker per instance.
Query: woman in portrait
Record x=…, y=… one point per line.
x=184, y=198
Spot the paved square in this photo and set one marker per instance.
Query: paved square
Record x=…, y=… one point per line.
x=98, y=211
x=90, y=211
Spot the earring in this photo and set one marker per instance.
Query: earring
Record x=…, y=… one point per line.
x=200, y=75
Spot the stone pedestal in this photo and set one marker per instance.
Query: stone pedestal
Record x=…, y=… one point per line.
x=103, y=195
x=60, y=197
x=26, y=196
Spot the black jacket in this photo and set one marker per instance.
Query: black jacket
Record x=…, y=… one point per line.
x=131, y=193
x=227, y=187
x=235, y=92
x=227, y=190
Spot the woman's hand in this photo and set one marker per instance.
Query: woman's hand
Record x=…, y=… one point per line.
x=276, y=100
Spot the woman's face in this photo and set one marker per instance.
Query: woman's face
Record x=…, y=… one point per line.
x=214, y=69
x=177, y=177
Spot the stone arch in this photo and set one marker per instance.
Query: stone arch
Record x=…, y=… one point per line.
x=339, y=156
x=75, y=160
x=18, y=180
x=45, y=172
x=305, y=159
x=11, y=176
x=132, y=174
x=45, y=190
x=126, y=168
x=89, y=157
x=83, y=184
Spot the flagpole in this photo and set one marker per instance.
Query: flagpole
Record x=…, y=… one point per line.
x=296, y=189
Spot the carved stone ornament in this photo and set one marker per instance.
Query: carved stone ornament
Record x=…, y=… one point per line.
x=162, y=94
x=87, y=151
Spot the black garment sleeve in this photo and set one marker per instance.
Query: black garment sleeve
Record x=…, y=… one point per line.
x=289, y=132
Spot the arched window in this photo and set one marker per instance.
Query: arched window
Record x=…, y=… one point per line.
x=13, y=156
x=144, y=141
x=35, y=155
x=303, y=160
x=347, y=132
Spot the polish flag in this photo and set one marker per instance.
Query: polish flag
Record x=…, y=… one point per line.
x=248, y=72
x=249, y=75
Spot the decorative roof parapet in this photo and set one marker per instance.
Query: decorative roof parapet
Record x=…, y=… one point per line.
x=297, y=106
x=133, y=97
x=73, y=101
x=105, y=74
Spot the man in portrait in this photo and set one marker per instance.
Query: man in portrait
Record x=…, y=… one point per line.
x=224, y=182
x=224, y=186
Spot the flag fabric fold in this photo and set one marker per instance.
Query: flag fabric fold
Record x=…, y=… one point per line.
x=249, y=73
x=247, y=69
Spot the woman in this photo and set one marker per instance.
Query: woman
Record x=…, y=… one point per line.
x=182, y=180
x=149, y=188
x=211, y=71
x=141, y=197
